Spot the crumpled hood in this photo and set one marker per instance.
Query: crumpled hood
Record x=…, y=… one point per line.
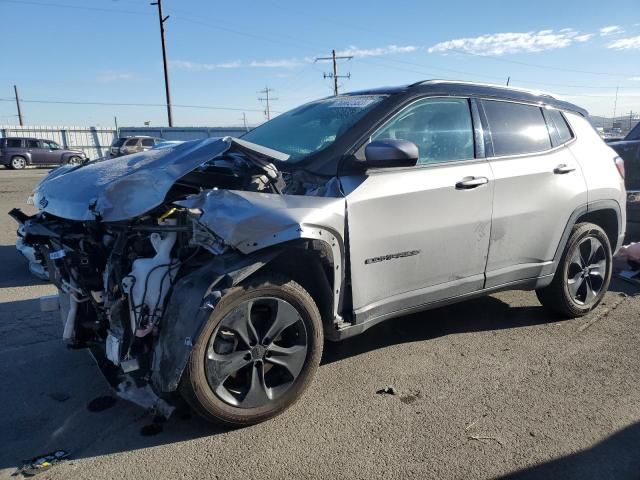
x=125, y=187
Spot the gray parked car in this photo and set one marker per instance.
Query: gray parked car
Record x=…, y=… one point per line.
x=18, y=152
x=217, y=268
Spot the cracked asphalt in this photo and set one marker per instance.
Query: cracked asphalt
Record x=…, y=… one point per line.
x=488, y=388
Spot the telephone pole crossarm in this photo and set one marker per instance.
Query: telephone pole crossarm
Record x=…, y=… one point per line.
x=334, y=59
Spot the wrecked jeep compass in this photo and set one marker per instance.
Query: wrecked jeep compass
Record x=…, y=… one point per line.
x=217, y=268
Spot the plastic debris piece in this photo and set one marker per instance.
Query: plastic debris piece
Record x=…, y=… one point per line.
x=389, y=390
x=40, y=463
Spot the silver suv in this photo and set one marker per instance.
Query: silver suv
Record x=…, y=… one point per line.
x=217, y=268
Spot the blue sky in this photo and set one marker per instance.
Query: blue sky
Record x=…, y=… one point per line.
x=222, y=53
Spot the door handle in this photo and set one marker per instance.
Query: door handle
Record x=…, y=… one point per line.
x=467, y=183
x=562, y=169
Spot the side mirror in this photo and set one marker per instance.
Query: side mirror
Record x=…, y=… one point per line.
x=391, y=153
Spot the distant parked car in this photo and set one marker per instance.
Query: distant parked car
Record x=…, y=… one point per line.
x=629, y=150
x=127, y=145
x=18, y=152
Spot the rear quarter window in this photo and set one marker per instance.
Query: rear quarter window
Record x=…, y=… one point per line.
x=14, y=143
x=516, y=128
x=558, y=128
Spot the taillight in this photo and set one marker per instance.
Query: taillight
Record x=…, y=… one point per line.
x=619, y=165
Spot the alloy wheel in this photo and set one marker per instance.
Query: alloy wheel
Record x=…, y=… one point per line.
x=256, y=353
x=18, y=163
x=587, y=271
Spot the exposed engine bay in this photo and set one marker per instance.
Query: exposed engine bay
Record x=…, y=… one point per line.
x=119, y=277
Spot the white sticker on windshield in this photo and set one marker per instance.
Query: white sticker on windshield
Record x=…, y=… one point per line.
x=353, y=101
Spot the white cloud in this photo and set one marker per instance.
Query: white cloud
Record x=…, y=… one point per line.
x=286, y=63
x=583, y=38
x=611, y=30
x=512, y=42
x=634, y=79
x=110, y=77
x=354, y=51
x=626, y=43
x=196, y=66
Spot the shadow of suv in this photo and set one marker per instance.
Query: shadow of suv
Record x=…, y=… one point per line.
x=18, y=152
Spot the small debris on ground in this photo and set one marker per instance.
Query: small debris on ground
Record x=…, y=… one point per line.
x=485, y=439
x=59, y=396
x=100, y=404
x=387, y=391
x=41, y=463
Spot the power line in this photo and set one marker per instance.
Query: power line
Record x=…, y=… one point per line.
x=123, y=104
x=75, y=7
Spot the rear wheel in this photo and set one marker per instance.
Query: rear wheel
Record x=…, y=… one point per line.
x=18, y=163
x=583, y=275
x=257, y=353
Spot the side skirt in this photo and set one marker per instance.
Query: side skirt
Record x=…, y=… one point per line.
x=352, y=330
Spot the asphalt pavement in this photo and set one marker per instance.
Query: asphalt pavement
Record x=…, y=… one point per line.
x=487, y=388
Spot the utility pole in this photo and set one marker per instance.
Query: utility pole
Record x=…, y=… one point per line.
x=267, y=101
x=15, y=89
x=615, y=105
x=164, y=59
x=335, y=75
x=244, y=121
x=508, y=80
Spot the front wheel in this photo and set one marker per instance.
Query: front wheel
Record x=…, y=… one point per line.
x=583, y=274
x=257, y=353
x=75, y=160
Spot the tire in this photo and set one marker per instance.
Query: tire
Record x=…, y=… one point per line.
x=74, y=160
x=583, y=274
x=241, y=398
x=18, y=163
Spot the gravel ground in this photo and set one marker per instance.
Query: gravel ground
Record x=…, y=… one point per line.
x=483, y=389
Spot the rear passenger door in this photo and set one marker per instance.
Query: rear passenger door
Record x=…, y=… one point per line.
x=538, y=185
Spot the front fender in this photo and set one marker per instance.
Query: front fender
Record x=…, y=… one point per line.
x=252, y=221
x=192, y=300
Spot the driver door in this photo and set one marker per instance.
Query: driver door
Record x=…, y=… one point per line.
x=421, y=234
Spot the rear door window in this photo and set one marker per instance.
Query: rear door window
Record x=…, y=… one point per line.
x=132, y=142
x=33, y=144
x=516, y=128
x=441, y=128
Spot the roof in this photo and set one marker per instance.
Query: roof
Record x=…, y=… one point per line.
x=486, y=90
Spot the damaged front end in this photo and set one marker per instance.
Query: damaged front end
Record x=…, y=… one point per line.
x=142, y=247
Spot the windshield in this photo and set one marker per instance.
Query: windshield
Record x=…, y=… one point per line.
x=312, y=127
